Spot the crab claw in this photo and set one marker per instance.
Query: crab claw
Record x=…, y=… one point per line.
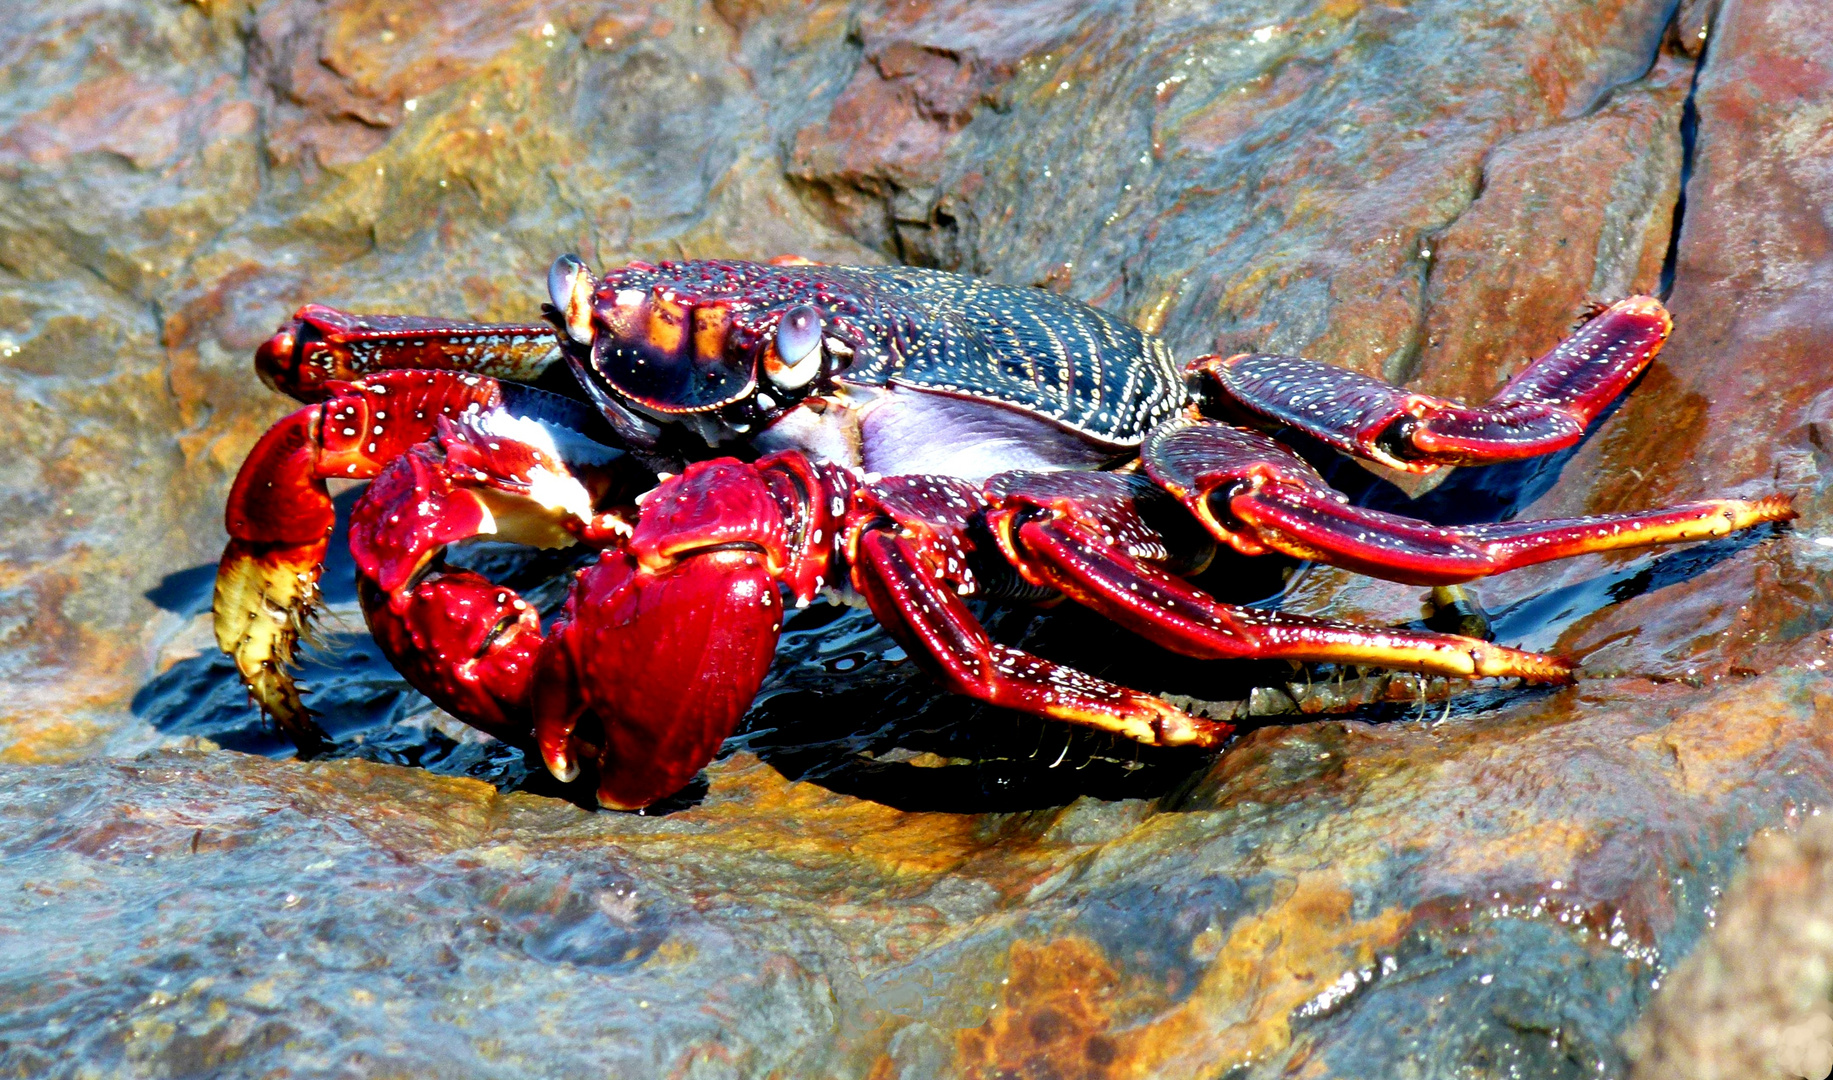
x=321, y=346
x=467, y=644
x=666, y=641
x=279, y=517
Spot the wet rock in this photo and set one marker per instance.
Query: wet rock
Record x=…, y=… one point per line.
x=879, y=881
x=1752, y=282
x=1732, y=405
x=1756, y=998
x=1425, y=895
x=1574, y=212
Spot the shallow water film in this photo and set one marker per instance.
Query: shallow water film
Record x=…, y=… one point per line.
x=876, y=880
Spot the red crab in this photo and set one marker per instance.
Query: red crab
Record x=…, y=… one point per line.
x=915, y=437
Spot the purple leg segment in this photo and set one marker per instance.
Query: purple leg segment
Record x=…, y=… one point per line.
x=1544, y=408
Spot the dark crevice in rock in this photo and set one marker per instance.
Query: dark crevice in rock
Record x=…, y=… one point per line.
x=1663, y=44
x=1403, y=366
x=1689, y=137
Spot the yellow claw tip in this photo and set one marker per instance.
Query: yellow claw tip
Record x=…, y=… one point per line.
x=263, y=603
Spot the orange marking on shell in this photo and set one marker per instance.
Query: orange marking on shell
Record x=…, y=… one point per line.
x=626, y=315
x=772, y=362
x=710, y=323
x=667, y=323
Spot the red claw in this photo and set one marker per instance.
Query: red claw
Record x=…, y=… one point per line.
x=713, y=504
x=668, y=647
x=469, y=645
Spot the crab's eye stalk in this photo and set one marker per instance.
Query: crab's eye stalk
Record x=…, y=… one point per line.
x=797, y=358
x=277, y=360
x=570, y=285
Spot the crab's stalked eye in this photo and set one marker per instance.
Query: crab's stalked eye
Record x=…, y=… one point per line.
x=570, y=285
x=798, y=348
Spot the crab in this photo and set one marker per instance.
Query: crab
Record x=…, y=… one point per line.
x=736, y=438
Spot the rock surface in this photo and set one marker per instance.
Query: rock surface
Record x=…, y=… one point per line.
x=1756, y=999
x=879, y=882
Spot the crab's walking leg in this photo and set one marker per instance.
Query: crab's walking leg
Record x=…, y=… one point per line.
x=1256, y=495
x=279, y=516
x=939, y=632
x=1086, y=566
x=1544, y=408
x=321, y=345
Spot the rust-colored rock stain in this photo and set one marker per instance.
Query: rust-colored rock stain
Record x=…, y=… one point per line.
x=1056, y=1013
x=1053, y=1020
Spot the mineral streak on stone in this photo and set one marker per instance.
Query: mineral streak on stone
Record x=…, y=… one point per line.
x=1429, y=192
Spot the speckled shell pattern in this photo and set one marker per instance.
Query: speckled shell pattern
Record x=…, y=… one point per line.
x=1020, y=347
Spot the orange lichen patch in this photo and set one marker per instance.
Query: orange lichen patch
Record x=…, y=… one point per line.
x=1270, y=965
x=1057, y=1013
x=1053, y=1020
x=31, y=737
x=400, y=809
x=1549, y=849
x=65, y=683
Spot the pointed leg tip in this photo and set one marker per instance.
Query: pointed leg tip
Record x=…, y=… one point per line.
x=1739, y=514
x=1567, y=675
x=560, y=765
x=1635, y=311
x=1776, y=508
x=1646, y=306
x=273, y=691
x=1499, y=661
x=1172, y=726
